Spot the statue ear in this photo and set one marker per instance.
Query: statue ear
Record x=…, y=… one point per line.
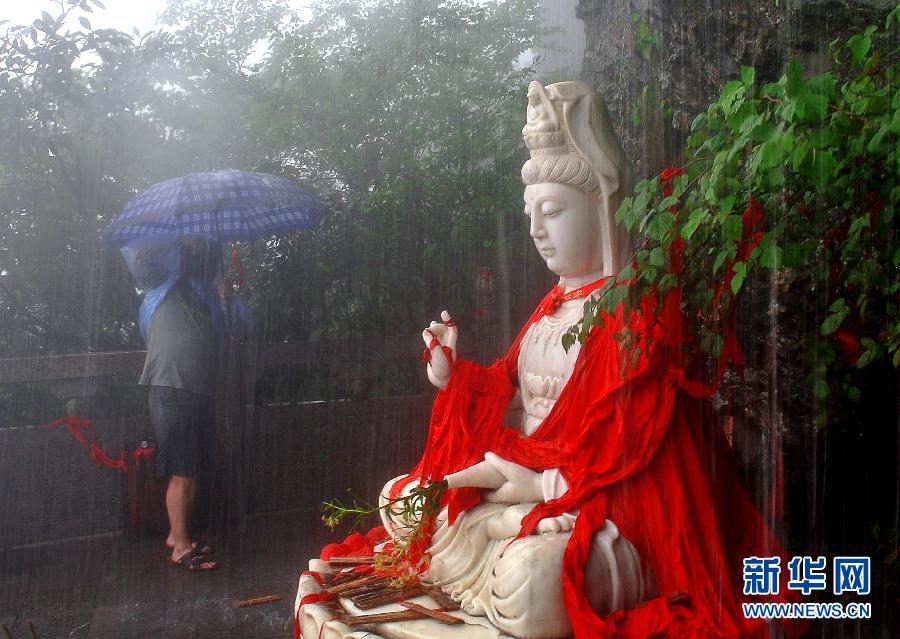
x=590, y=130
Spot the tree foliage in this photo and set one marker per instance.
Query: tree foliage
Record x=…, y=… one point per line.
x=404, y=115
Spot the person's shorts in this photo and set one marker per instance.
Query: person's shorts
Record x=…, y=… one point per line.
x=183, y=422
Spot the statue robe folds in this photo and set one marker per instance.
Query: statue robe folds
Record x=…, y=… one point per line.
x=635, y=448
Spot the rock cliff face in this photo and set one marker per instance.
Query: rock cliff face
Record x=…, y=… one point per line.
x=702, y=45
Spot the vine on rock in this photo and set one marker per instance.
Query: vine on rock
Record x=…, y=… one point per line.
x=798, y=177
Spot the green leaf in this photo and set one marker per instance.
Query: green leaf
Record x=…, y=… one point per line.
x=824, y=138
x=866, y=358
x=767, y=156
x=874, y=145
x=720, y=260
x=772, y=90
x=698, y=123
x=764, y=131
x=731, y=92
x=893, y=16
x=624, y=210
x=818, y=105
x=732, y=227
x=84, y=22
x=798, y=155
x=794, y=84
x=696, y=217
x=859, y=46
x=659, y=224
x=822, y=169
x=823, y=85
x=726, y=204
x=626, y=274
x=616, y=295
x=858, y=224
x=839, y=312
x=657, y=257
x=748, y=74
x=740, y=273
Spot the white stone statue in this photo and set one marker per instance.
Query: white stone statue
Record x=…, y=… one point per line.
x=575, y=178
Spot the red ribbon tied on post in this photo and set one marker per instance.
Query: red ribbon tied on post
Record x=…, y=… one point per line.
x=82, y=431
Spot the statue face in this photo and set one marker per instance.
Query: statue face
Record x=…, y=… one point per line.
x=565, y=225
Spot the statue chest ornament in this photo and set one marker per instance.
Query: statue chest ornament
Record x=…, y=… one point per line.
x=544, y=365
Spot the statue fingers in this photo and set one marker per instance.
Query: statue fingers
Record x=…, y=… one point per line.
x=508, y=469
x=555, y=524
x=506, y=494
x=524, y=483
x=436, y=365
x=452, y=330
x=547, y=525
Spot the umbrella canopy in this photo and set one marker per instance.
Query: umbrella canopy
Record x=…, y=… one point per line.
x=217, y=205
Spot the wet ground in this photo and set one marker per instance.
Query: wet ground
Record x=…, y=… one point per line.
x=108, y=588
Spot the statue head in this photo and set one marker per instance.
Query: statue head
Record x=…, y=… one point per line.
x=575, y=179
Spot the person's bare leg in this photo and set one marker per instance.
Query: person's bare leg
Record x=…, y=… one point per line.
x=191, y=499
x=179, y=497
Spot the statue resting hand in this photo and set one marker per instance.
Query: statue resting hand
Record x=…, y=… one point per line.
x=507, y=482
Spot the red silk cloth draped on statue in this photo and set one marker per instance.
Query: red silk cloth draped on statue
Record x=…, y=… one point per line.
x=636, y=447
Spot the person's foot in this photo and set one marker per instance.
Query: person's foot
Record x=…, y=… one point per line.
x=199, y=545
x=192, y=560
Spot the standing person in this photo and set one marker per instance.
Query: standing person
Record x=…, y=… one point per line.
x=183, y=321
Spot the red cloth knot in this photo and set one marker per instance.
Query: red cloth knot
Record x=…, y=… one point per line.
x=426, y=352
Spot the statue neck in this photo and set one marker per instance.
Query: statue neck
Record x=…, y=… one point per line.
x=567, y=284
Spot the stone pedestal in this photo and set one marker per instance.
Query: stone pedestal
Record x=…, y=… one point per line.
x=316, y=621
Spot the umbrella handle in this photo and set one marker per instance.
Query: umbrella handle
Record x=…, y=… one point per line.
x=227, y=314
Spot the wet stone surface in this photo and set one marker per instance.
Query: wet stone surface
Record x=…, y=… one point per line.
x=108, y=588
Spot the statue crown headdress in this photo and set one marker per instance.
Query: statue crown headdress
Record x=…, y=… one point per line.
x=543, y=132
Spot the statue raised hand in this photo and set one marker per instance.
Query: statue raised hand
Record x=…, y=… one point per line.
x=440, y=350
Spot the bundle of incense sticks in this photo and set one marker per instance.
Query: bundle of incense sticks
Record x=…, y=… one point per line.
x=440, y=615
x=337, y=611
x=443, y=600
x=375, y=598
x=413, y=611
x=346, y=585
x=383, y=617
x=351, y=561
x=255, y=601
x=340, y=578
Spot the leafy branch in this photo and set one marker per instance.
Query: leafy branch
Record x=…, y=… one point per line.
x=797, y=176
x=405, y=557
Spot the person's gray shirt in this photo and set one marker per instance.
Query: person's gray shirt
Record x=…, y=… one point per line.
x=181, y=344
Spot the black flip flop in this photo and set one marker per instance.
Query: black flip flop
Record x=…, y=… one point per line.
x=192, y=561
x=199, y=545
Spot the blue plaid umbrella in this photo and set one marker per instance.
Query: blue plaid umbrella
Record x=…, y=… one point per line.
x=217, y=205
